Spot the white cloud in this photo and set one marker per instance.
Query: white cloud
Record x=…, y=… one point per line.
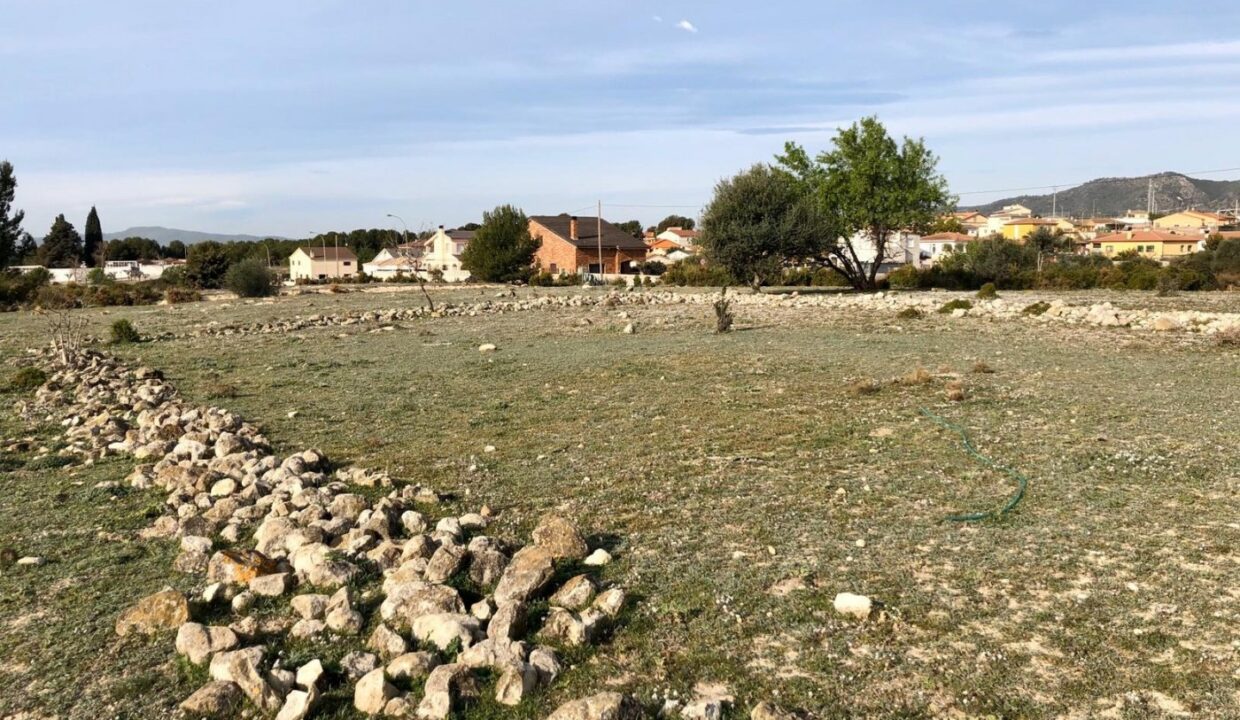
x=686, y=26
x=657, y=18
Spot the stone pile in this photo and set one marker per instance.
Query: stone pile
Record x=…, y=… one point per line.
x=1096, y=315
x=435, y=600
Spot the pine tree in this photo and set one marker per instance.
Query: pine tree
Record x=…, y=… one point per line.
x=502, y=248
x=62, y=247
x=10, y=221
x=93, y=245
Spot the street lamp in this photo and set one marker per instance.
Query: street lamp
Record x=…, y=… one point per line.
x=407, y=252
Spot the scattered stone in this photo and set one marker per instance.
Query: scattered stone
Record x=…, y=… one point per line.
x=487, y=348
x=239, y=567
x=603, y=706
x=161, y=611
x=575, y=594
x=858, y=606
x=373, y=692
x=273, y=585
x=216, y=699
x=199, y=642
x=412, y=665
x=560, y=537
x=357, y=664
x=598, y=558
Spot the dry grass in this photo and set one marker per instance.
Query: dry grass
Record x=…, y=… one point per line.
x=955, y=391
x=864, y=386
x=981, y=367
x=917, y=376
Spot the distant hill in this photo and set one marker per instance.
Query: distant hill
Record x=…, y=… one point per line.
x=1108, y=197
x=163, y=235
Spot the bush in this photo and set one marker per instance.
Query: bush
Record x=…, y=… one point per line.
x=905, y=277
x=178, y=295
x=27, y=379
x=250, y=278
x=1037, y=308
x=123, y=332
x=987, y=292
x=96, y=276
x=910, y=313
x=648, y=267
x=692, y=274
x=812, y=277
x=174, y=277
x=957, y=304
x=18, y=289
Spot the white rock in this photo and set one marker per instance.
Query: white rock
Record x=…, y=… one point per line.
x=858, y=606
x=598, y=558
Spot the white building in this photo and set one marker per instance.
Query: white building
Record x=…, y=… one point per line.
x=322, y=263
x=443, y=254
x=935, y=247
x=902, y=248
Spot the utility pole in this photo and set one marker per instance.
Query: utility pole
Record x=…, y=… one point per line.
x=600, y=241
x=323, y=242
x=336, y=240
x=1055, y=204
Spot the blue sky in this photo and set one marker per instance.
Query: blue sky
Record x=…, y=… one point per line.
x=285, y=117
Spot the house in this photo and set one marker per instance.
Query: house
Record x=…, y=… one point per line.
x=1153, y=244
x=686, y=239
x=391, y=262
x=569, y=244
x=322, y=263
x=902, y=248
x=1008, y=213
x=935, y=247
x=1024, y=227
x=442, y=257
x=973, y=222
x=1193, y=221
x=1134, y=219
x=667, y=252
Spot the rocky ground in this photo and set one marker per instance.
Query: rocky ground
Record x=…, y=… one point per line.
x=685, y=522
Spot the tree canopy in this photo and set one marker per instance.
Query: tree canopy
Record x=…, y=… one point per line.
x=136, y=248
x=10, y=219
x=632, y=227
x=62, y=247
x=756, y=222
x=92, y=246
x=502, y=248
x=872, y=188
x=680, y=221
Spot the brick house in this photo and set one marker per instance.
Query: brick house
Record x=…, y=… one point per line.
x=569, y=244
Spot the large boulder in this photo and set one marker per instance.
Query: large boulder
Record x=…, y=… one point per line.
x=164, y=610
x=527, y=573
x=561, y=537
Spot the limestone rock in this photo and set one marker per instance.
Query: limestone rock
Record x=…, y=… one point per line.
x=560, y=537
x=373, y=692
x=575, y=594
x=273, y=585
x=508, y=622
x=858, y=606
x=216, y=699
x=442, y=629
x=199, y=642
x=387, y=642
x=598, y=558
x=239, y=567
x=603, y=706
x=298, y=704
x=161, y=611
x=441, y=691
x=412, y=665
x=526, y=574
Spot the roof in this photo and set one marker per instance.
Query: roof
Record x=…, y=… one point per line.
x=1032, y=221
x=461, y=235
x=948, y=237
x=396, y=262
x=968, y=215
x=587, y=232
x=681, y=232
x=1144, y=236
x=1198, y=213
x=328, y=253
x=664, y=244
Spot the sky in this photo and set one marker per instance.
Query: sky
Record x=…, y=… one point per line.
x=288, y=117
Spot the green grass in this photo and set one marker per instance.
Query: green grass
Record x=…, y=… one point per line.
x=715, y=466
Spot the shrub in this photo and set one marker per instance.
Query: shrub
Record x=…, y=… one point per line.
x=957, y=304
x=96, y=276
x=692, y=274
x=546, y=279
x=918, y=376
x=987, y=292
x=864, y=386
x=178, y=295
x=123, y=332
x=1229, y=337
x=982, y=368
x=249, y=278
x=905, y=277
x=1036, y=308
x=648, y=267
x=174, y=277
x=17, y=289
x=910, y=313
x=723, y=312
x=27, y=379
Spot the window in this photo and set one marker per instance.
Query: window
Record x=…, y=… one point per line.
x=1110, y=249
x=553, y=269
x=347, y=263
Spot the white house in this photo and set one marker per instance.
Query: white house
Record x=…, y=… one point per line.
x=443, y=254
x=390, y=262
x=322, y=263
x=902, y=248
x=935, y=247
x=687, y=239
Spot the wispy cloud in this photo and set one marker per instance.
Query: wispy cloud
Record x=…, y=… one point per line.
x=1128, y=53
x=657, y=18
x=686, y=26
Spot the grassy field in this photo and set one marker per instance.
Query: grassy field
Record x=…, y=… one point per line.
x=742, y=484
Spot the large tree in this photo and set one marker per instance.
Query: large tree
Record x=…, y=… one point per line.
x=92, y=247
x=680, y=221
x=207, y=262
x=502, y=248
x=632, y=227
x=873, y=188
x=62, y=247
x=756, y=223
x=10, y=219
x=175, y=249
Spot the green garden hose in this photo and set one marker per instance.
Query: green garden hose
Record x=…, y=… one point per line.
x=1021, y=480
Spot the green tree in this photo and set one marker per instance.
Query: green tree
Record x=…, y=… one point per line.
x=756, y=222
x=27, y=250
x=92, y=247
x=502, y=248
x=206, y=263
x=133, y=248
x=947, y=223
x=680, y=221
x=10, y=219
x=873, y=188
x=632, y=227
x=250, y=278
x=175, y=250
x=62, y=247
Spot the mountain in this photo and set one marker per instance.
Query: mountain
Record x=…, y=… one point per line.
x=1109, y=197
x=163, y=235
